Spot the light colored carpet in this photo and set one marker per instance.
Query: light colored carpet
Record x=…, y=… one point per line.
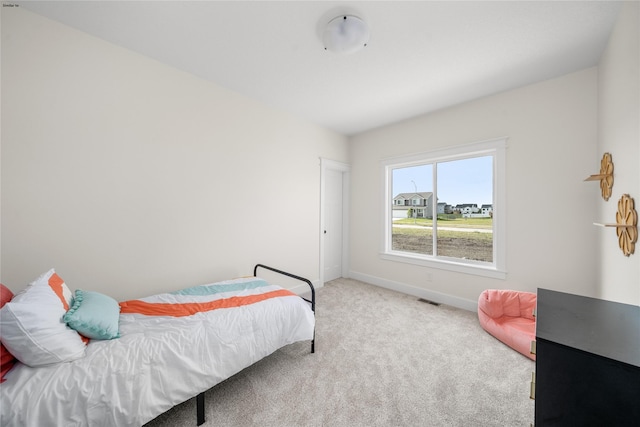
x=382, y=359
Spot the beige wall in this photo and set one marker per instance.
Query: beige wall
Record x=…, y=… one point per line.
x=619, y=134
x=552, y=128
x=130, y=177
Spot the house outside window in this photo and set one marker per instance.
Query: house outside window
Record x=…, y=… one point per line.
x=455, y=218
x=413, y=205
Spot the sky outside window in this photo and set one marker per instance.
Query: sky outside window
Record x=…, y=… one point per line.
x=459, y=181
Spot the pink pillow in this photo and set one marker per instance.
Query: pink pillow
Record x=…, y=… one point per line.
x=6, y=359
x=527, y=304
x=500, y=302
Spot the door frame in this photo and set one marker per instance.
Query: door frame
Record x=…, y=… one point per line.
x=325, y=165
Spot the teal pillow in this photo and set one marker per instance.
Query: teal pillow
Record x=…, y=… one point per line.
x=94, y=315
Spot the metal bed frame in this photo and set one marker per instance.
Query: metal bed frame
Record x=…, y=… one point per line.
x=312, y=301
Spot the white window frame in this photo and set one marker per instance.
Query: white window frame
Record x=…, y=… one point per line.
x=494, y=147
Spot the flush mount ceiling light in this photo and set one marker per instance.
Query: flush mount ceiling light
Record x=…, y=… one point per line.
x=345, y=34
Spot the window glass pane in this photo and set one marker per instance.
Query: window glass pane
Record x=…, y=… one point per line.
x=412, y=209
x=463, y=186
x=465, y=209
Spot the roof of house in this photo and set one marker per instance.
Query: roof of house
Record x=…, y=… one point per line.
x=422, y=195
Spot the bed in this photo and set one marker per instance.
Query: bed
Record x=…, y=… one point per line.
x=169, y=348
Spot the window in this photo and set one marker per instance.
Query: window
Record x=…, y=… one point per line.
x=456, y=218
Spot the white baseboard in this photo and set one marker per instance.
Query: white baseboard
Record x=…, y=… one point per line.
x=303, y=289
x=439, y=297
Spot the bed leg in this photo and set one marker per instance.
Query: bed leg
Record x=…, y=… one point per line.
x=200, y=408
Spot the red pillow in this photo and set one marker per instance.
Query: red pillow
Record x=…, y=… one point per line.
x=6, y=359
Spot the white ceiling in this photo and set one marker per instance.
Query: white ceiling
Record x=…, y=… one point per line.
x=422, y=55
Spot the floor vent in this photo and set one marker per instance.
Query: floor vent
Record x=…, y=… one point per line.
x=437, y=304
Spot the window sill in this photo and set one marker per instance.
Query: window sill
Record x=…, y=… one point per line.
x=483, y=269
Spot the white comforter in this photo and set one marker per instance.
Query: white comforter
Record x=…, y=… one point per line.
x=158, y=362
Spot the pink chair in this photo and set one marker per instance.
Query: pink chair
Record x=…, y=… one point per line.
x=508, y=316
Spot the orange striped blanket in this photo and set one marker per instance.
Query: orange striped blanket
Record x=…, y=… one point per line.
x=197, y=299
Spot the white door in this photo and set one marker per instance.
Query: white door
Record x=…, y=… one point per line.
x=333, y=227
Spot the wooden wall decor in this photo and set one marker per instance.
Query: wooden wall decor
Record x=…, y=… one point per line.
x=627, y=224
x=605, y=176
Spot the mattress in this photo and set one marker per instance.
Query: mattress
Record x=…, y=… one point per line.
x=162, y=358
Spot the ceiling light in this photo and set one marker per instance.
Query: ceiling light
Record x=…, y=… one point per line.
x=345, y=34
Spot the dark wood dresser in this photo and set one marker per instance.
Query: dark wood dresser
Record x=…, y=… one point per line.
x=587, y=361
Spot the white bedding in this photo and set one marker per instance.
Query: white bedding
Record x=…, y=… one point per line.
x=158, y=362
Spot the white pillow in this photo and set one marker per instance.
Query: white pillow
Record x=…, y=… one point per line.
x=47, y=289
x=32, y=326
